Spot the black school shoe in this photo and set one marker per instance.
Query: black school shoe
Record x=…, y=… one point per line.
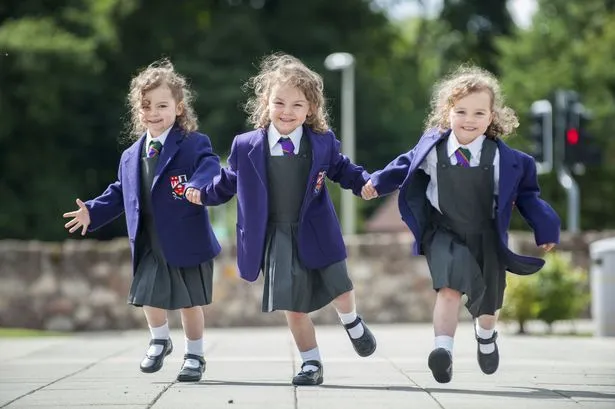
x=441, y=364
x=304, y=378
x=488, y=362
x=365, y=345
x=154, y=362
x=189, y=374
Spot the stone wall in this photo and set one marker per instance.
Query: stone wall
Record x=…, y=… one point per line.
x=82, y=284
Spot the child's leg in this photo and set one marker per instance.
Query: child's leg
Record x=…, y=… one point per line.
x=160, y=344
x=193, y=322
x=347, y=311
x=158, y=327
x=485, y=327
x=446, y=317
x=363, y=341
x=487, y=354
x=302, y=328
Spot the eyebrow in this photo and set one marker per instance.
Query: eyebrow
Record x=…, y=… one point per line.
x=282, y=99
x=479, y=109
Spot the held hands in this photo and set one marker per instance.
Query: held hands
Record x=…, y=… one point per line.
x=193, y=195
x=547, y=247
x=368, y=191
x=81, y=218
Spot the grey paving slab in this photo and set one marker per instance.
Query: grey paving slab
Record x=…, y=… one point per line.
x=252, y=368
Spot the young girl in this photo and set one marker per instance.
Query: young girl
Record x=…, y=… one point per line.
x=286, y=223
x=171, y=239
x=458, y=186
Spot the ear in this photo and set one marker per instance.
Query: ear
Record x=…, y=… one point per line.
x=179, y=109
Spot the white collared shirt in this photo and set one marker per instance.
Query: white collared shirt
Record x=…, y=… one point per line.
x=162, y=138
x=273, y=136
x=430, y=164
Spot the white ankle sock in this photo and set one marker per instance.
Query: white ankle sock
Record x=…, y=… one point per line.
x=195, y=347
x=444, y=341
x=310, y=355
x=349, y=318
x=485, y=334
x=161, y=332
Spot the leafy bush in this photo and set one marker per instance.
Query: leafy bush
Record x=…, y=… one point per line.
x=557, y=292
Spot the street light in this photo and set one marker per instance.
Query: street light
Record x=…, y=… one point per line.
x=345, y=62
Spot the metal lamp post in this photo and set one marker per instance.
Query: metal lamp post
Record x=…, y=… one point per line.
x=345, y=62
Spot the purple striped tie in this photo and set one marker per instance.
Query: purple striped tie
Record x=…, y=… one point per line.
x=154, y=148
x=287, y=146
x=463, y=157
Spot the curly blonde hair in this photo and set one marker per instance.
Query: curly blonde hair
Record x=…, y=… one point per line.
x=284, y=69
x=465, y=80
x=155, y=75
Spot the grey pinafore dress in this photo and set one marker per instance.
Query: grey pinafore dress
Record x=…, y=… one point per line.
x=155, y=282
x=288, y=284
x=461, y=241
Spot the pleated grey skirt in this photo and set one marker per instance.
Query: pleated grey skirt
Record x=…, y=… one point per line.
x=469, y=263
x=288, y=284
x=157, y=284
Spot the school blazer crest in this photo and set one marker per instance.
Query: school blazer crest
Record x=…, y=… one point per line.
x=320, y=239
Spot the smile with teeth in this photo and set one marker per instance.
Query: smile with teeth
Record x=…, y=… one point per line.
x=468, y=128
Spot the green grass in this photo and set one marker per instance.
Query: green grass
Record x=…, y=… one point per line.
x=23, y=332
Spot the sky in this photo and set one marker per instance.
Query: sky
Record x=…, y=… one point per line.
x=520, y=10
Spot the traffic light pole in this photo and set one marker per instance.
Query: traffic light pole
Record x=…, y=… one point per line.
x=564, y=175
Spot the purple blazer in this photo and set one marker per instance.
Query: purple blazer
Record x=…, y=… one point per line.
x=320, y=238
x=518, y=184
x=185, y=233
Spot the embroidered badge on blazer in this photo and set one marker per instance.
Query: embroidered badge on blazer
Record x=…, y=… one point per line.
x=178, y=186
x=320, y=180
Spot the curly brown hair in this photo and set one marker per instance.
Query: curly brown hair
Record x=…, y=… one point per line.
x=464, y=80
x=284, y=69
x=155, y=75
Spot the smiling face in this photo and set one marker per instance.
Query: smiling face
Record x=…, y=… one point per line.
x=159, y=110
x=288, y=108
x=470, y=116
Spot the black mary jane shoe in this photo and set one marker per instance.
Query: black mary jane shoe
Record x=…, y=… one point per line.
x=488, y=362
x=441, y=364
x=309, y=377
x=154, y=362
x=365, y=345
x=190, y=374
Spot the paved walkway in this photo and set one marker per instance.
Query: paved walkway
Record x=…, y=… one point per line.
x=252, y=368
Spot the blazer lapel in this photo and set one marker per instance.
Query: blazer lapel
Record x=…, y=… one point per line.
x=132, y=168
x=509, y=169
x=257, y=155
x=426, y=143
x=171, y=146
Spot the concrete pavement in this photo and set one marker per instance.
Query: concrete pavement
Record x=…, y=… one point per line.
x=252, y=368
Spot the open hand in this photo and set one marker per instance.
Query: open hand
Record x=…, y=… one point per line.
x=368, y=191
x=547, y=247
x=81, y=218
x=193, y=195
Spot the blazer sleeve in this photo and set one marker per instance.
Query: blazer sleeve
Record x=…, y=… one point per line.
x=109, y=205
x=207, y=163
x=223, y=187
x=541, y=217
x=390, y=178
x=343, y=171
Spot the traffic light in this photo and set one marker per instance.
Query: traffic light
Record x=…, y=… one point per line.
x=580, y=149
x=541, y=135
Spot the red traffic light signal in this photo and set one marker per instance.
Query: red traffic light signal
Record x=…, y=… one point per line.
x=572, y=136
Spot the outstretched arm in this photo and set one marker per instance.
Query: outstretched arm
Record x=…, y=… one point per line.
x=344, y=172
x=541, y=217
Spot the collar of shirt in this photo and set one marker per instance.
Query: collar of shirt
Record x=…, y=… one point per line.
x=475, y=147
x=161, y=138
x=274, y=136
